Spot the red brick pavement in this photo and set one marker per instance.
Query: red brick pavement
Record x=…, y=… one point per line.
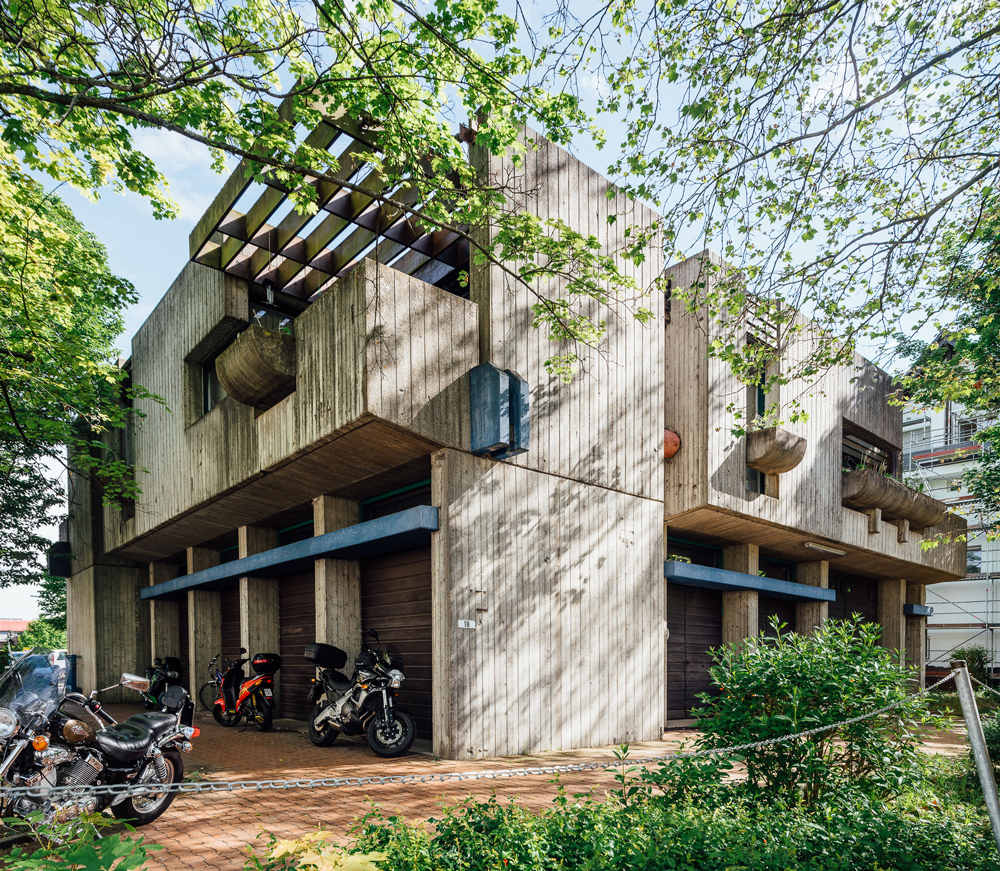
x=212, y=830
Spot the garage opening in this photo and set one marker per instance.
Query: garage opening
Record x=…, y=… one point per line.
x=694, y=621
x=854, y=595
x=396, y=603
x=769, y=607
x=297, y=628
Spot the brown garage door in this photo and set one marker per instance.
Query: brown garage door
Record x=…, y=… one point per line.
x=182, y=629
x=396, y=603
x=769, y=607
x=854, y=595
x=297, y=626
x=230, y=602
x=694, y=618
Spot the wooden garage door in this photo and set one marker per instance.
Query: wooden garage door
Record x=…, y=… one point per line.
x=694, y=619
x=230, y=602
x=854, y=595
x=396, y=603
x=297, y=626
x=182, y=629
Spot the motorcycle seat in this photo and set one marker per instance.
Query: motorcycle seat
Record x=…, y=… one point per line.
x=338, y=680
x=159, y=724
x=125, y=742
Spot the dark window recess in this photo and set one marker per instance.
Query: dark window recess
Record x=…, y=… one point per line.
x=212, y=391
x=699, y=555
x=755, y=481
x=967, y=429
x=667, y=296
x=396, y=500
x=770, y=608
x=858, y=453
x=274, y=320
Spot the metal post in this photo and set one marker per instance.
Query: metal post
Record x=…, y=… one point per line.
x=978, y=741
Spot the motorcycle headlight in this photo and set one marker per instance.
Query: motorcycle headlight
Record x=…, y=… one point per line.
x=395, y=678
x=8, y=723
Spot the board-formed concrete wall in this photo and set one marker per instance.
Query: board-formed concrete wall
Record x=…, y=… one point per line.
x=564, y=581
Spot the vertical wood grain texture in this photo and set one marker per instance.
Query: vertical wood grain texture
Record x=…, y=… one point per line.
x=121, y=627
x=81, y=633
x=337, y=582
x=810, y=616
x=379, y=343
x=703, y=398
x=564, y=574
x=891, y=597
x=740, y=609
x=260, y=628
x=916, y=634
x=164, y=626
x=204, y=609
x=597, y=428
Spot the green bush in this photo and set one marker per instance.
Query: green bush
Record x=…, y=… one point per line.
x=771, y=687
x=949, y=705
x=977, y=659
x=740, y=834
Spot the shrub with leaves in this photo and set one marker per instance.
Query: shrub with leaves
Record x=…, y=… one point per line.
x=773, y=687
x=312, y=852
x=977, y=659
x=79, y=845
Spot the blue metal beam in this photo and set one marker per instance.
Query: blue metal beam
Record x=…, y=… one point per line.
x=913, y=610
x=689, y=575
x=409, y=528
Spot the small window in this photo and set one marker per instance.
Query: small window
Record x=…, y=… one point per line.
x=272, y=319
x=212, y=391
x=974, y=561
x=755, y=481
x=967, y=429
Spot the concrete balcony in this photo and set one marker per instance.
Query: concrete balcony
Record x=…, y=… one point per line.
x=866, y=489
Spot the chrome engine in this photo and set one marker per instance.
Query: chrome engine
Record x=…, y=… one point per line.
x=64, y=768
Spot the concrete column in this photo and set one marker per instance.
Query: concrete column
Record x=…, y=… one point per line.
x=916, y=633
x=740, y=618
x=891, y=597
x=810, y=616
x=338, y=582
x=259, y=627
x=164, y=615
x=204, y=619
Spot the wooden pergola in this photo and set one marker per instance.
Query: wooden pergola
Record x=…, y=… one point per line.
x=252, y=231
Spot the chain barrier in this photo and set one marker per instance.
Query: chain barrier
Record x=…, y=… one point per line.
x=119, y=789
x=984, y=686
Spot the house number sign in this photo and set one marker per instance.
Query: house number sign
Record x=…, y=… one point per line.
x=466, y=624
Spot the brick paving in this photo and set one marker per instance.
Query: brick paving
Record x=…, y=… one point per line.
x=212, y=830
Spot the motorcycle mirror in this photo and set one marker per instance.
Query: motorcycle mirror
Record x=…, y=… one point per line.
x=243, y=650
x=134, y=682
x=373, y=634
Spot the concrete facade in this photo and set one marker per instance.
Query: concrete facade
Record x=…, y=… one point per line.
x=543, y=582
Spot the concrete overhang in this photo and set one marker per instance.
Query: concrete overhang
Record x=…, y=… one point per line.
x=405, y=529
x=689, y=575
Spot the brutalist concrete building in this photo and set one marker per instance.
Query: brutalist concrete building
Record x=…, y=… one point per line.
x=350, y=439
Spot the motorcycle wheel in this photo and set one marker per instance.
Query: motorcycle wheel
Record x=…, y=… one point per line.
x=224, y=718
x=322, y=736
x=393, y=738
x=143, y=809
x=260, y=712
x=207, y=695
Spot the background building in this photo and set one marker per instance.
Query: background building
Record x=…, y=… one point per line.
x=939, y=445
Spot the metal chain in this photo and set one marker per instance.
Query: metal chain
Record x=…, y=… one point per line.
x=77, y=792
x=985, y=686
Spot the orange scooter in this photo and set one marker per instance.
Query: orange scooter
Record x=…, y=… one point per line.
x=252, y=698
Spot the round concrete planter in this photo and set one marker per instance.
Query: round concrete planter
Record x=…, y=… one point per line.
x=774, y=450
x=864, y=489
x=258, y=369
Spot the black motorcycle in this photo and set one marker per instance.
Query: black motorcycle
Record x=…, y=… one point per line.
x=56, y=744
x=163, y=673
x=362, y=704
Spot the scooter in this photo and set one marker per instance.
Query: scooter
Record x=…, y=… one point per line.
x=252, y=698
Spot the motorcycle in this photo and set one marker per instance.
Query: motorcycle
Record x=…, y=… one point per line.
x=161, y=674
x=253, y=697
x=58, y=743
x=363, y=703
